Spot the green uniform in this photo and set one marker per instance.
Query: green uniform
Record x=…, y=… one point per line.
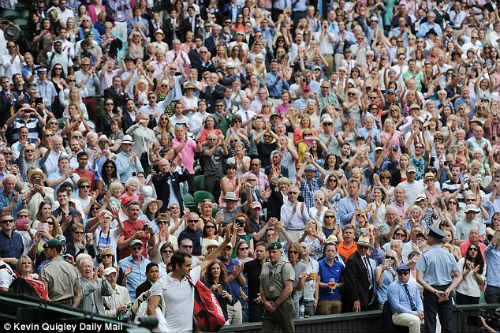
x=272, y=280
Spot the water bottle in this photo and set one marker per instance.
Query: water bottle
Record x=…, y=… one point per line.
x=302, y=309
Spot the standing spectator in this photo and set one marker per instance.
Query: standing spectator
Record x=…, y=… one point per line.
x=152, y=275
x=117, y=302
x=252, y=270
x=167, y=183
x=93, y=288
x=11, y=242
x=473, y=273
x=350, y=205
x=135, y=265
x=360, y=280
x=330, y=271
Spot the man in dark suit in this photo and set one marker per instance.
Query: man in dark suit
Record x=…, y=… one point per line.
x=116, y=93
x=194, y=54
x=275, y=201
x=252, y=270
x=167, y=179
x=360, y=280
x=212, y=92
x=152, y=275
x=211, y=42
x=192, y=22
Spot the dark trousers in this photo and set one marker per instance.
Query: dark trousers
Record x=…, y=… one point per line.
x=433, y=307
x=91, y=105
x=281, y=320
x=492, y=294
x=464, y=299
x=297, y=15
x=212, y=185
x=255, y=311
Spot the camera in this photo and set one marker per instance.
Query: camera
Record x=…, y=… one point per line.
x=492, y=318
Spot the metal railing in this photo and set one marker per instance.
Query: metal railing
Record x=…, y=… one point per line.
x=369, y=321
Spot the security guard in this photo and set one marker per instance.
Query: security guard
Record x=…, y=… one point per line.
x=276, y=281
x=434, y=270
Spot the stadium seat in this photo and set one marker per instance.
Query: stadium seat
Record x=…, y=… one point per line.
x=199, y=183
x=189, y=201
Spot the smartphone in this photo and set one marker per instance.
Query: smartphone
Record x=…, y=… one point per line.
x=387, y=262
x=42, y=227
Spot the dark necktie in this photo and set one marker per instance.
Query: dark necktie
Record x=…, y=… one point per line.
x=412, y=304
x=369, y=270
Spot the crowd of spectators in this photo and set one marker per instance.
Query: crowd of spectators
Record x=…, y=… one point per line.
x=134, y=129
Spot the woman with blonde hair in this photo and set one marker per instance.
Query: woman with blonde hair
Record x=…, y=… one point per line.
x=313, y=235
x=136, y=43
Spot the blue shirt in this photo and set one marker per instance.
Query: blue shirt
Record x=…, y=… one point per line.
x=5, y=201
x=492, y=255
x=124, y=168
x=307, y=190
x=426, y=27
x=11, y=247
x=383, y=289
x=326, y=272
x=235, y=286
x=437, y=264
x=399, y=300
x=137, y=276
x=345, y=209
x=274, y=85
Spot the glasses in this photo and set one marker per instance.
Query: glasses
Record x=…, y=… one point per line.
x=390, y=258
x=29, y=151
x=72, y=80
x=139, y=247
x=243, y=248
x=110, y=103
x=7, y=153
x=78, y=232
x=210, y=227
x=404, y=273
x=161, y=222
x=50, y=223
x=252, y=180
x=453, y=203
x=192, y=221
x=473, y=249
x=290, y=193
x=329, y=216
x=85, y=186
x=106, y=255
x=167, y=251
x=7, y=221
x=187, y=246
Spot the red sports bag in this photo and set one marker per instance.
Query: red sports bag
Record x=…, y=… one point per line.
x=207, y=313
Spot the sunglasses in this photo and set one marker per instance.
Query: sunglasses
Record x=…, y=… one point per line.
x=7, y=221
x=243, y=248
x=404, y=273
x=187, y=246
x=329, y=216
x=167, y=251
x=210, y=227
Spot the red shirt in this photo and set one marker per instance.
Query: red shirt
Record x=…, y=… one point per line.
x=129, y=230
x=465, y=245
x=86, y=174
